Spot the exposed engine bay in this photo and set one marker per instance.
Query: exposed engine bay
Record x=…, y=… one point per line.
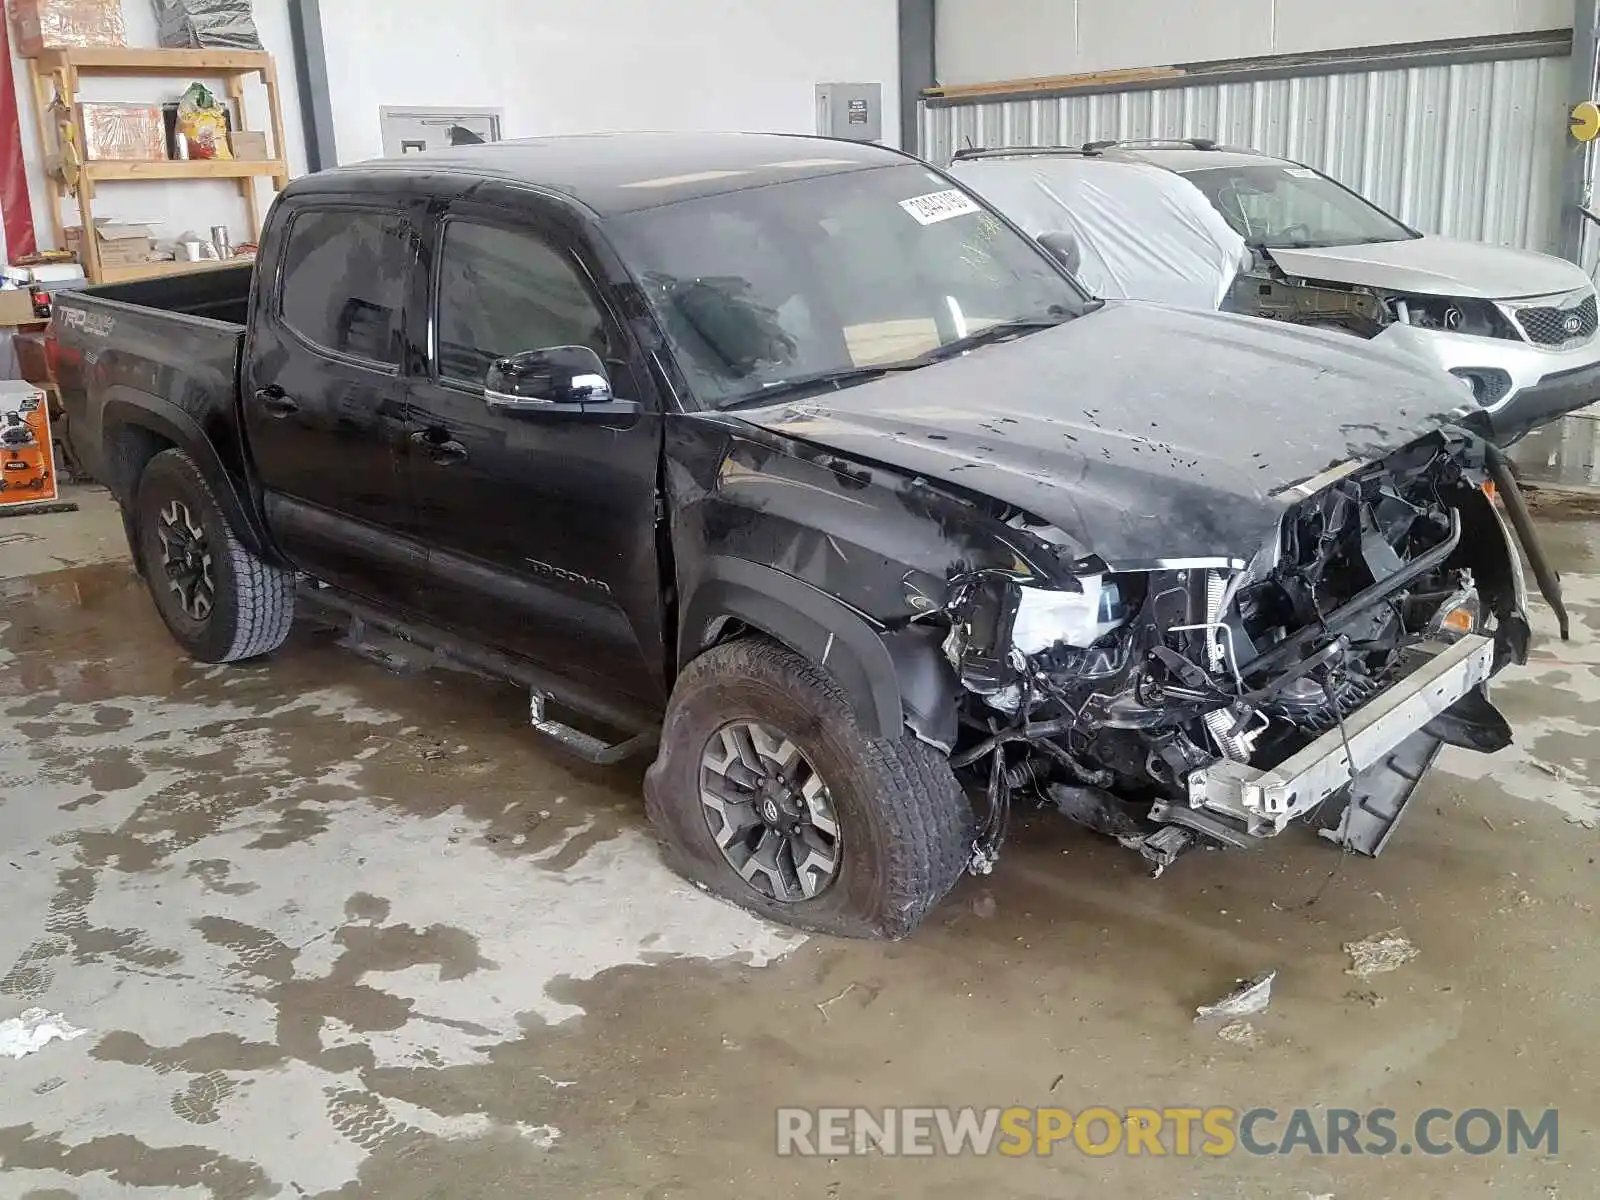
x=1212, y=702
x=1270, y=293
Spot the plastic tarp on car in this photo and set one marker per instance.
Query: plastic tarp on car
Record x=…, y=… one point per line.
x=1144, y=233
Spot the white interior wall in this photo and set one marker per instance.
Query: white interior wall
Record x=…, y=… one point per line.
x=557, y=67
x=172, y=206
x=979, y=41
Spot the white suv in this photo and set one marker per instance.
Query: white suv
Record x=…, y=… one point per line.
x=1193, y=224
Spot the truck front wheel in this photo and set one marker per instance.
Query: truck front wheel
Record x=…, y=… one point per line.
x=768, y=793
x=221, y=602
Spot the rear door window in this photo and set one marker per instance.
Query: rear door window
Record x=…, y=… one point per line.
x=344, y=281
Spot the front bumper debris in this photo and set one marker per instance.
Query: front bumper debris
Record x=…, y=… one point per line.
x=1542, y=383
x=1265, y=801
x=1553, y=397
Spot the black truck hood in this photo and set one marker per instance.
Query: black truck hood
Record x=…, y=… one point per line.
x=1140, y=432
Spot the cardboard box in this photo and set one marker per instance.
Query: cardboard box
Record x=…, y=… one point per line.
x=120, y=245
x=248, y=146
x=57, y=275
x=16, y=307
x=123, y=131
x=40, y=25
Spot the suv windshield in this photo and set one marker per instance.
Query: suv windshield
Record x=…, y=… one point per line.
x=1289, y=207
x=832, y=280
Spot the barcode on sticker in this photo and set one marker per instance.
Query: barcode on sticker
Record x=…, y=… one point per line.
x=940, y=206
x=1300, y=172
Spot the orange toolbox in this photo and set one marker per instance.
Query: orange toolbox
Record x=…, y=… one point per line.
x=27, y=460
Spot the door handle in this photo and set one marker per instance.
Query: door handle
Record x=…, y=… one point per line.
x=276, y=401
x=441, y=452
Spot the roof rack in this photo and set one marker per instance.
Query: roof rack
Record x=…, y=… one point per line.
x=1151, y=144
x=1088, y=149
x=1017, y=151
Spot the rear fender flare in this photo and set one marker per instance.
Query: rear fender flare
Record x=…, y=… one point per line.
x=835, y=637
x=128, y=409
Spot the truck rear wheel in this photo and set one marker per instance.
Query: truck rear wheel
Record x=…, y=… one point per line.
x=766, y=792
x=221, y=602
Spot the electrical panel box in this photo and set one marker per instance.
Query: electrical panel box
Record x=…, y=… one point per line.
x=853, y=111
x=413, y=130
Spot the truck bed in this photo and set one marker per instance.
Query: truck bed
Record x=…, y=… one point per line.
x=220, y=293
x=176, y=341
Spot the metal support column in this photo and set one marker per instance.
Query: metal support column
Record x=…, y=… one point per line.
x=917, y=67
x=311, y=78
x=1576, y=179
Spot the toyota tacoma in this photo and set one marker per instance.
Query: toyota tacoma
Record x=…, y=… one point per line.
x=796, y=464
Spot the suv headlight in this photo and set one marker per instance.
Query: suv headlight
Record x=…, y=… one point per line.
x=1475, y=318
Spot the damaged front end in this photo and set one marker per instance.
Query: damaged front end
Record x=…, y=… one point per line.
x=1171, y=704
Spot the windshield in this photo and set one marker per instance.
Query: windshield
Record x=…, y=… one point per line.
x=811, y=283
x=1275, y=205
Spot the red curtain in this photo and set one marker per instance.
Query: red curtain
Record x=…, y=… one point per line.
x=14, y=203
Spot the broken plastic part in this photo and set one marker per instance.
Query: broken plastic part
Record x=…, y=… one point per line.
x=33, y=1030
x=1163, y=847
x=982, y=859
x=1250, y=997
x=1048, y=618
x=1379, y=954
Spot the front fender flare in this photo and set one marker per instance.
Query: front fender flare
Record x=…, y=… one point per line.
x=834, y=636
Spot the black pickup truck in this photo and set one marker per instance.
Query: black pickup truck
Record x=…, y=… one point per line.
x=792, y=458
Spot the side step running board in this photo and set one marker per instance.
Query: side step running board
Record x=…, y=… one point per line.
x=586, y=746
x=398, y=645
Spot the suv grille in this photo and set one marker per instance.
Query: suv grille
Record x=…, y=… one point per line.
x=1558, y=326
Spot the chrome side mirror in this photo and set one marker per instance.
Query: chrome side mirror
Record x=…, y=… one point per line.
x=554, y=378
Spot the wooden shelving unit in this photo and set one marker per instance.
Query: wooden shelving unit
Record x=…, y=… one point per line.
x=194, y=169
x=157, y=269
x=56, y=73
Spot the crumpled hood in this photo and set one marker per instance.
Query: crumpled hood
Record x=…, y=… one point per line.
x=1141, y=432
x=1437, y=266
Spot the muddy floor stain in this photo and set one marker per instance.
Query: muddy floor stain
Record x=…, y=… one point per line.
x=340, y=933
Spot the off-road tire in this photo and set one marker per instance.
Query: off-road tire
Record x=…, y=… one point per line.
x=905, y=823
x=253, y=600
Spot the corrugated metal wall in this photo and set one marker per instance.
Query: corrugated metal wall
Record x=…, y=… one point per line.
x=1470, y=150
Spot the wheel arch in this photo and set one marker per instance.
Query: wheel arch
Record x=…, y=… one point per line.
x=136, y=426
x=894, y=680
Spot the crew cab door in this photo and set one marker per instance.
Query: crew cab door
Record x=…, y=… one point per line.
x=540, y=527
x=324, y=398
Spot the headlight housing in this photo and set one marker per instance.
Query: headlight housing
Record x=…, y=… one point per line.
x=1048, y=618
x=1475, y=318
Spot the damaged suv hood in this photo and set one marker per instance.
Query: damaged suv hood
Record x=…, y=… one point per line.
x=1140, y=432
x=1437, y=266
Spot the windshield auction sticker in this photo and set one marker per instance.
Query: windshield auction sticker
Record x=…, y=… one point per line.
x=940, y=206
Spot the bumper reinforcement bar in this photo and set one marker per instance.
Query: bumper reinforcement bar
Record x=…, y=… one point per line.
x=1267, y=800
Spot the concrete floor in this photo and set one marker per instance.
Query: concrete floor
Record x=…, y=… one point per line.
x=336, y=932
